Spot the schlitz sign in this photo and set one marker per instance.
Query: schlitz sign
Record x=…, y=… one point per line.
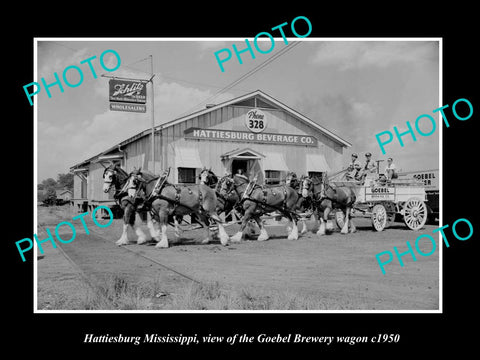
x=127, y=91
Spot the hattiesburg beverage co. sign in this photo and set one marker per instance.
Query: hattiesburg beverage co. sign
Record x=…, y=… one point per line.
x=245, y=136
x=256, y=122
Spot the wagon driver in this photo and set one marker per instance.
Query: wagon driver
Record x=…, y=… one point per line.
x=370, y=167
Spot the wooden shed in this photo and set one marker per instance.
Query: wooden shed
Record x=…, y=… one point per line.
x=254, y=132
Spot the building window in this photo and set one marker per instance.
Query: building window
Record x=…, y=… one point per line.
x=315, y=174
x=272, y=177
x=186, y=175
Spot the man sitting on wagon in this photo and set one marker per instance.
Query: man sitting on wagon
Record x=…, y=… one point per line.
x=369, y=169
x=370, y=166
x=390, y=170
x=353, y=169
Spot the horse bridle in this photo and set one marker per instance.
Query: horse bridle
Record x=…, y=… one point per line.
x=305, y=186
x=229, y=189
x=322, y=192
x=112, y=181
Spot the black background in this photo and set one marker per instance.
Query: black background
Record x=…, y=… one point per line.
x=56, y=335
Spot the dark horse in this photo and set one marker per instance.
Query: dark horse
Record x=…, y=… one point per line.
x=257, y=200
x=165, y=199
x=304, y=204
x=227, y=197
x=326, y=198
x=114, y=175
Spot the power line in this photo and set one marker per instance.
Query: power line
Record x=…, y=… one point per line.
x=193, y=83
x=250, y=72
x=65, y=46
x=261, y=66
x=127, y=66
x=245, y=76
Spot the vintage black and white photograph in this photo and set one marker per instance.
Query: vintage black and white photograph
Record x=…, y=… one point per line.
x=259, y=174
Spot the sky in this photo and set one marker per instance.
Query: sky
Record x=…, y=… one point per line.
x=354, y=88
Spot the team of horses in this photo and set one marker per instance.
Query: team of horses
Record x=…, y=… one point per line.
x=143, y=193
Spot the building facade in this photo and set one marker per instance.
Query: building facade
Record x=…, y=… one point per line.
x=253, y=132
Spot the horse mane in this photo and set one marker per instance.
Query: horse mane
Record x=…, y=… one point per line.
x=119, y=169
x=214, y=177
x=115, y=167
x=148, y=175
x=240, y=178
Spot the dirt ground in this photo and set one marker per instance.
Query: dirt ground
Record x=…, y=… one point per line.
x=332, y=272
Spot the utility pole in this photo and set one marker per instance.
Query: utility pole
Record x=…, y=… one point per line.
x=143, y=81
x=153, y=117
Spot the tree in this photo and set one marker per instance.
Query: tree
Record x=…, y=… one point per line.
x=50, y=196
x=40, y=197
x=49, y=183
x=65, y=181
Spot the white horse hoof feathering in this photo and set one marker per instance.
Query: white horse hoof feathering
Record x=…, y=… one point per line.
x=142, y=238
x=352, y=228
x=294, y=234
x=321, y=230
x=121, y=241
x=345, y=227
x=304, y=228
x=263, y=235
x=163, y=243
x=124, y=238
x=222, y=234
x=237, y=237
x=154, y=233
x=178, y=230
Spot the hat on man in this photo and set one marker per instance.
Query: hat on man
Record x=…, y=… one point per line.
x=368, y=154
x=355, y=154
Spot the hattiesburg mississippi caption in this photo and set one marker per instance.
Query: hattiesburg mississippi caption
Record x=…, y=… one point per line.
x=243, y=338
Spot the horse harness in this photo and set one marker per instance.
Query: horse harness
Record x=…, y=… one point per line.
x=263, y=203
x=176, y=201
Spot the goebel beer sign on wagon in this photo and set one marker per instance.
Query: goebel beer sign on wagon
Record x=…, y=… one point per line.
x=127, y=91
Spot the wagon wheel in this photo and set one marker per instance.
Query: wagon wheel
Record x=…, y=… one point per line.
x=415, y=213
x=379, y=217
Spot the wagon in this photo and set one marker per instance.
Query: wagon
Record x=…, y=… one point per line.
x=383, y=202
